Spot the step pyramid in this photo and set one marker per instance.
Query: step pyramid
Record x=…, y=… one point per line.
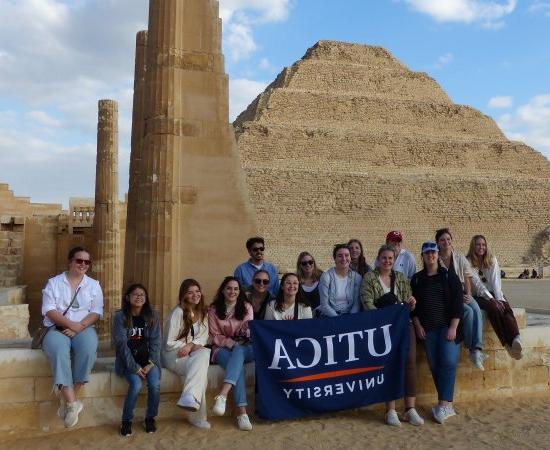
x=348, y=142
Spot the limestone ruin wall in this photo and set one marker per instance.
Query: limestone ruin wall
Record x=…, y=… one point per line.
x=348, y=142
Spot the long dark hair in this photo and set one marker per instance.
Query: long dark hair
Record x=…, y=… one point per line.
x=219, y=301
x=146, y=311
x=362, y=266
x=190, y=311
x=300, y=296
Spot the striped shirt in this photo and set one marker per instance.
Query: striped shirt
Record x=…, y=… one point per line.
x=435, y=316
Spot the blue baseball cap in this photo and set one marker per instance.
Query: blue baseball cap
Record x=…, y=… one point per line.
x=429, y=246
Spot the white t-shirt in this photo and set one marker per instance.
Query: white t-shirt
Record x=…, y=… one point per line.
x=341, y=284
x=310, y=288
x=271, y=313
x=385, y=288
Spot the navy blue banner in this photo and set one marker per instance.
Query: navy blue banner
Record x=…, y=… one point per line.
x=312, y=366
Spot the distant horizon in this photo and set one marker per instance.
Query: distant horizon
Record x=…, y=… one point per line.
x=485, y=54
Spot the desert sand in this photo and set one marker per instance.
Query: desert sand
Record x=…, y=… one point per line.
x=504, y=424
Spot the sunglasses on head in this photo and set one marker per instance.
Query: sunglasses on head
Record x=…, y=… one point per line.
x=82, y=261
x=309, y=262
x=258, y=249
x=258, y=281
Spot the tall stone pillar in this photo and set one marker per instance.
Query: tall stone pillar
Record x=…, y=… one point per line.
x=106, y=222
x=135, y=158
x=193, y=213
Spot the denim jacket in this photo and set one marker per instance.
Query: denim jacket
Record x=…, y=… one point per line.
x=124, y=361
x=327, y=293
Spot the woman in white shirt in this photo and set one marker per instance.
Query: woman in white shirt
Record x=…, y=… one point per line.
x=71, y=304
x=290, y=302
x=490, y=297
x=184, y=352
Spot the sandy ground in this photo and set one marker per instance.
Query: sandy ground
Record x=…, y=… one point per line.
x=505, y=424
x=529, y=294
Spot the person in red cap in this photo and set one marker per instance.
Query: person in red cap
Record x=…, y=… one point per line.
x=405, y=262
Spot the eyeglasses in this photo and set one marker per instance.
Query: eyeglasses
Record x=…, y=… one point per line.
x=258, y=249
x=82, y=261
x=309, y=262
x=259, y=282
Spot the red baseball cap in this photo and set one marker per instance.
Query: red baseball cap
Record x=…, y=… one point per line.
x=394, y=236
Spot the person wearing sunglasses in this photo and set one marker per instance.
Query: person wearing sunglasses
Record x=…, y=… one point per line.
x=340, y=286
x=72, y=303
x=309, y=275
x=490, y=297
x=290, y=303
x=436, y=318
x=258, y=294
x=245, y=271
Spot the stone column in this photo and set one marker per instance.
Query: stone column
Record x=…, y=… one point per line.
x=106, y=265
x=135, y=158
x=193, y=214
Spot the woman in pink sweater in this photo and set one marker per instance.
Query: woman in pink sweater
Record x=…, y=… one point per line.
x=228, y=318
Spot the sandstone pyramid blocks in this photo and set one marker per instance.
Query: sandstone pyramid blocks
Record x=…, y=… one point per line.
x=348, y=142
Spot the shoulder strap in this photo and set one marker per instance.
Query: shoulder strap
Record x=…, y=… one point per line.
x=72, y=301
x=392, y=281
x=295, y=309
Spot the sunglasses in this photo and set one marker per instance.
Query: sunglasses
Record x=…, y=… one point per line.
x=258, y=249
x=82, y=261
x=309, y=262
x=259, y=282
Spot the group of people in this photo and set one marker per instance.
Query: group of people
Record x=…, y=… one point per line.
x=446, y=299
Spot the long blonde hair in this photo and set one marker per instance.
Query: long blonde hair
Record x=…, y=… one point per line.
x=300, y=272
x=486, y=261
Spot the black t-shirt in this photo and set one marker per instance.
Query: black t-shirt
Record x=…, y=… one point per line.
x=434, y=304
x=138, y=342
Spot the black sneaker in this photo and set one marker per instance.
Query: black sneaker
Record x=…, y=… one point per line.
x=126, y=428
x=150, y=425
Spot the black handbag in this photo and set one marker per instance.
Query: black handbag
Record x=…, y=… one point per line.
x=389, y=298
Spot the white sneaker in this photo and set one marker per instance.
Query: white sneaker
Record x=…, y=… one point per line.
x=517, y=348
x=442, y=413
x=413, y=417
x=476, y=358
x=244, y=422
x=188, y=402
x=219, y=405
x=62, y=410
x=73, y=410
x=202, y=424
x=392, y=418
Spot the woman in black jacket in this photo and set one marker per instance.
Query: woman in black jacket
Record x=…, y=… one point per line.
x=436, y=318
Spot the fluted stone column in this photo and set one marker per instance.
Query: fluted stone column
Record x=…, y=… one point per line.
x=193, y=214
x=135, y=158
x=106, y=222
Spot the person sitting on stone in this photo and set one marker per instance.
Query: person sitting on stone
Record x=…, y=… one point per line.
x=524, y=275
x=290, y=303
x=258, y=294
x=405, y=262
x=358, y=261
x=185, y=352
x=489, y=295
x=340, y=286
x=309, y=275
x=72, y=303
x=228, y=318
x=136, y=336
x=245, y=271
x=472, y=321
x=385, y=282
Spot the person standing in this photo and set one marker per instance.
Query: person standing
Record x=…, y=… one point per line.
x=245, y=271
x=136, y=335
x=404, y=262
x=340, y=286
x=436, y=318
x=185, y=352
x=72, y=303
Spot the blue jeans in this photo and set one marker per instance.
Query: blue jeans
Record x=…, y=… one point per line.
x=472, y=325
x=153, y=394
x=58, y=348
x=233, y=360
x=443, y=356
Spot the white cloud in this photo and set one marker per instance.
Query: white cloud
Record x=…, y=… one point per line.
x=241, y=93
x=264, y=64
x=488, y=13
x=540, y=7
x=529, y=123
x=444, y=60
x=502, y=101
x=43, y=118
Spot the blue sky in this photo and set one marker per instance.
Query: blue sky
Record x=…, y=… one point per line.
x=58, y=57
